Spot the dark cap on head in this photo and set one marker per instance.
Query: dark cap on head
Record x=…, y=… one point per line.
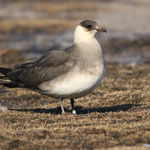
x=91, y=25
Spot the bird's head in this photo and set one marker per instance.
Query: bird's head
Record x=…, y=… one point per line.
x=87, y=30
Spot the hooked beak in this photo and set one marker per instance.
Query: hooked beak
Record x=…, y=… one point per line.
x=101, y=30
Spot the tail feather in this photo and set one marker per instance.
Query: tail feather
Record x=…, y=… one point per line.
x=5, y=71
x=4, y=77
x=10, y=79
x=11, y=84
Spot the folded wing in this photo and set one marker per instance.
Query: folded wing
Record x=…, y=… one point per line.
x=45, y=68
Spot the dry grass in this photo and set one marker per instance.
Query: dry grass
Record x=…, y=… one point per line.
x=114, y=116
x=30, y=25
x=50, y=16
x=70, y=6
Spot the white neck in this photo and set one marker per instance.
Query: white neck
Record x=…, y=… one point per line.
x=87, y=42
x=88, y=47
x=83, y=36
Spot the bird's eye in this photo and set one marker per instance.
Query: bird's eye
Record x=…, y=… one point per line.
x=89, y=26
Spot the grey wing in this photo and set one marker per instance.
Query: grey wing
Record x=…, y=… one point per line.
x=43, y=69
x=52, y=58
x=23, y=65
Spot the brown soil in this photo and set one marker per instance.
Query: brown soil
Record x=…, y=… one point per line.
x=114, y=116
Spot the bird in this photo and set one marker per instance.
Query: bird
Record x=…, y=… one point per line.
x=68, y=73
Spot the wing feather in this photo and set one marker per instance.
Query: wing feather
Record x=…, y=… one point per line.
x=43, y=69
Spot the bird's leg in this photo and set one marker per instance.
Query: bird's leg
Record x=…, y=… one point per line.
x=72, y=104
x=61, y=104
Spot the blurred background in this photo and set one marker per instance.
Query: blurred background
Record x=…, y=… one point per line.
x=29, y=28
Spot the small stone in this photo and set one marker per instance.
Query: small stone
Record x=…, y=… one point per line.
x=3, y=108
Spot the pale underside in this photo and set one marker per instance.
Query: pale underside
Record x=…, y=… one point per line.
x=73, y=84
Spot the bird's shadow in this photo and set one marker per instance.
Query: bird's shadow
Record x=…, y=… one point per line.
x=81, y=110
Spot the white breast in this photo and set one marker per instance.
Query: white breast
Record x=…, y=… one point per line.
x=73, y=85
